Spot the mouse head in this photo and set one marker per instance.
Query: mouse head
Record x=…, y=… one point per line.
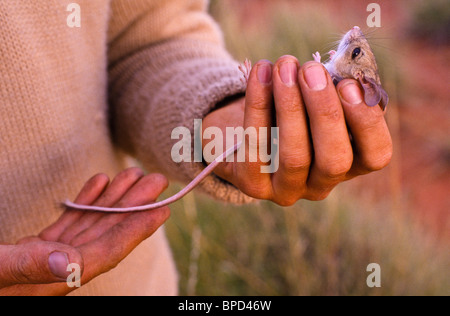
x=354, y=59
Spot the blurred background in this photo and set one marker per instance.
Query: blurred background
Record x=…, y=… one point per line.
x=398, y=217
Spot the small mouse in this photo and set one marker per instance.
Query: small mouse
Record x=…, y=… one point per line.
x=354, y=59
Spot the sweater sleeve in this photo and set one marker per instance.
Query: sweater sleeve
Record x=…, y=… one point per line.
x=167, y=67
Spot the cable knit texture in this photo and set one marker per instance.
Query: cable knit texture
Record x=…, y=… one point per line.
x=74, y=99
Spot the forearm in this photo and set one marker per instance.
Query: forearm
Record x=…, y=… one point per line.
x=167, y=86
x=168, y=67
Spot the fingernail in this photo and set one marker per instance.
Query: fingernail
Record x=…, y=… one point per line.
x=351, y=93
x=315, y=77
x=265, y=73
x=288, y=73
x=58, y=262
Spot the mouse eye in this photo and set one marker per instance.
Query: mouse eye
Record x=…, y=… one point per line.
x=356, y=52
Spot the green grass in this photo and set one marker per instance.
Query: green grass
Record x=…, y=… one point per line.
x=312, y=248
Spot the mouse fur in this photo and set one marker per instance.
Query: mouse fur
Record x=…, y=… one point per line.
x=354, y=59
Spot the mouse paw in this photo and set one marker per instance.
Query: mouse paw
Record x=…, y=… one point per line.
x=332, y=53
x=246, y=68
x=317, y=57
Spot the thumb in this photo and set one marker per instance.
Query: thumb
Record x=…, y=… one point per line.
x=38, y=262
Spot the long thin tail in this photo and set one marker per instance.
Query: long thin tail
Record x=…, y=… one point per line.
x=201, y=176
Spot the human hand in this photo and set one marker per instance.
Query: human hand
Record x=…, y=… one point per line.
x=97, y=242
x=315, y=120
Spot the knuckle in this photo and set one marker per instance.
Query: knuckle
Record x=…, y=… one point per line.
x=319, y=196
x=378, y=158
x=326, y=111
x=372, y=122
x=376, y=164
x=258, y=103
x=333, y=173
x=335, y=170
x=290, y=102
x=319, y=193
x=257, y=194
x=255, y=191
x=286, y=201
x=294, y=165
x=21, y=269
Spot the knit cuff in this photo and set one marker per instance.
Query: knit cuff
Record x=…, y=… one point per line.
x=168, y=86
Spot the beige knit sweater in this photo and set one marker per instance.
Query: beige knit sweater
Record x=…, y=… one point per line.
x=73, y=99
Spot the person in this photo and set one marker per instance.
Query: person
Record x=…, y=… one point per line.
x=76, y=101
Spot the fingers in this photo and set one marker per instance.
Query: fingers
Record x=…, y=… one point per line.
x=307, y=108
x=114, y=245
x=371, y=137
x=119, y=186
x=325, y=137
x=88, y=194
x=113, y=237
x=258, y=113
x=146, y=190
x=111, y=195
x=333, y=153
x=36, y=262
x=295, y=150
x=92, y=189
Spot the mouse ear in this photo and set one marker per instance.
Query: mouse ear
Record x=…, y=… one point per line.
x=373, y=93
